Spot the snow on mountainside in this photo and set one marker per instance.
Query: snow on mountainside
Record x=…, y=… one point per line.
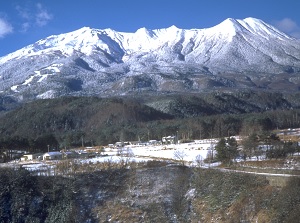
x=234, y=53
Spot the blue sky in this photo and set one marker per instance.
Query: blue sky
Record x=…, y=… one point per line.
x=23, y=22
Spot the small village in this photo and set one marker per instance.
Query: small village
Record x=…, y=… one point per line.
x=118, y=148
x=171, y=149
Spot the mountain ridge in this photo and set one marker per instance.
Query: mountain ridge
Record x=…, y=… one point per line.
x=230, y=25
x=235, y=53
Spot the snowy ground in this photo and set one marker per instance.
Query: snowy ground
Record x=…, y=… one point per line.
x=190, y=153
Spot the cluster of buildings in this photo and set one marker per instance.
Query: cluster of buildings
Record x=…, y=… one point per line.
x=164, y=141
x=89, y=152
x=58, y=155
x=94, y=152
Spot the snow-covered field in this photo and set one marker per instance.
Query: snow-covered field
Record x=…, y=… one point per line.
x=190, y=153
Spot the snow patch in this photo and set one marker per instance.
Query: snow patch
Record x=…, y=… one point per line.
x=47, y=95
x=29, y=80
x=14, y=88
x=41, y=75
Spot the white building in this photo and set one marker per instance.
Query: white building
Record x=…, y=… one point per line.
x=52, y=156
x=35, y=156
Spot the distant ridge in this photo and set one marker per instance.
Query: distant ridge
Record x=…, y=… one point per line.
x=233, y=54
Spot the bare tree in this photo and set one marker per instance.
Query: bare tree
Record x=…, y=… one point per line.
x=180, y=155
x=199, y=160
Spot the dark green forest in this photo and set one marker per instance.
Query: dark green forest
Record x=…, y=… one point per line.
x=75, y=121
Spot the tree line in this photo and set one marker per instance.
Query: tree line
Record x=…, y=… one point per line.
x=73, y=122
x=265, y=144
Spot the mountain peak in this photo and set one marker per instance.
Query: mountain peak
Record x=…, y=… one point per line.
x=228, y=27
x=257, y=27
x=173, y=27
x=82, y=31
x=88, y=40
x=145, y=31
x=85, y=28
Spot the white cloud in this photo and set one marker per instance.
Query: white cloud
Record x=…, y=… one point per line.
x=23, y=12
x=25, y=26
x=26, y=17
x=42, y=16
x=288, y=26
x=32, y=16
x=5, y=28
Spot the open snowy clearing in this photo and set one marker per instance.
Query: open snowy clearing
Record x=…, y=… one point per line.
x=192, y=154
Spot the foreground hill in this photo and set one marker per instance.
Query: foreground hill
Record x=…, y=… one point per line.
x=155, y=192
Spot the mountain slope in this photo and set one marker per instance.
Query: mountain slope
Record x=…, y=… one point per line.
x=235, y=53
x=104, y=118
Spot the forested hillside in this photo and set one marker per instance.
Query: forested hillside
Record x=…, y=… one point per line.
x=73, y=121
x=149, y=193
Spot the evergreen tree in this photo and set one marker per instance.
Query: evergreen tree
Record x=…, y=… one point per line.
x=227, y=150
x=250, y=146
x=221, y=150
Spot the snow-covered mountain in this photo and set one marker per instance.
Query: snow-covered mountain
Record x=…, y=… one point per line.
x=234, y=53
